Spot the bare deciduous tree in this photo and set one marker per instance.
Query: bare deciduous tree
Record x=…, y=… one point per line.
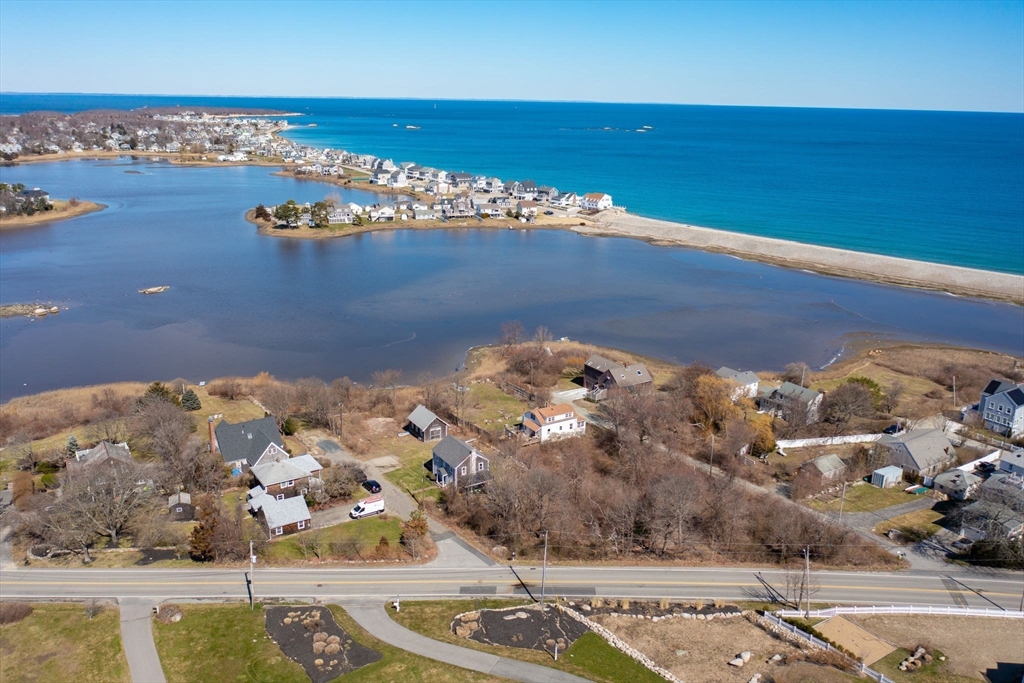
x=388, y=380
x=892, y=395
x=511, y=334
x=846, y=402
x=108, y=496
x=277, y=398
x=798, y=373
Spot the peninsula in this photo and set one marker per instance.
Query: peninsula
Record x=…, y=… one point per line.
x=21, y=207
x=225, y=137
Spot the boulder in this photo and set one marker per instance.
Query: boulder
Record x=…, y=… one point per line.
x=745, y=656
x=738, y=662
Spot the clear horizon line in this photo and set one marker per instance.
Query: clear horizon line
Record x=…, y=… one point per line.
x=486, y=99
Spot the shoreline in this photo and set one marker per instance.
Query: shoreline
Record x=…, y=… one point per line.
x=62, y=211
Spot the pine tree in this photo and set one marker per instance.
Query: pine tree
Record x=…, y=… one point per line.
x=71, y=448
x=190, y=402
x=160, y=391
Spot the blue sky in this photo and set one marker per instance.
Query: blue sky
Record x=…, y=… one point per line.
x=897, y=55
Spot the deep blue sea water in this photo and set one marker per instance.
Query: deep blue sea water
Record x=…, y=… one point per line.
x=946, y=187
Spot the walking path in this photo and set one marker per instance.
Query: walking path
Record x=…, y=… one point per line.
x=375, y=619
x=137, y=639
x=6, y=556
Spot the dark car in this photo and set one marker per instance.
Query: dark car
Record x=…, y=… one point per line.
x=371, y=485
x=892, y=429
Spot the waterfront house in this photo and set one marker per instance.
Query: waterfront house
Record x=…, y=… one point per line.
x=285, y=477
x=386, y=165
x=956, y=484
x=180, y=508
x=425, y=425
x=791, y=402
x=424, y=215
x=922, y=453
x=744, y=384
x=489, y=210
x=398, y=179
x=437, y=187
x=1002, y=408
x=457, y=463
x=102, y=454
x=546, y=193
x=566, y=200
x=552, y=422
x=601, y=374
x=502, y=200
x=380, y=176
x=526, y=208
x=596, y=201
x=493, y=185
x=456, y=207
x=246, y=444
x=340, y=217
x=524, y=191
x=354, y=208
x=460, y=181
x=382, y=214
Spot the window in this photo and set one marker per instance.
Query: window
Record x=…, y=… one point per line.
x=480, y=467
x=178, y=509
x=463, y=469
x=280, y=496
x=290, y=482
x=278, y=531
x=302, y=524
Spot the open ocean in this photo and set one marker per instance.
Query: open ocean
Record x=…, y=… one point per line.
x=946, y=187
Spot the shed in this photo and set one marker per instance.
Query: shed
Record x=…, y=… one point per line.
x=827, y=467
x=180, y=507
x=426, y=426
x=887, y=477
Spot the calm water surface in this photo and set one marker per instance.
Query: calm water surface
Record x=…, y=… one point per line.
x=240, y=303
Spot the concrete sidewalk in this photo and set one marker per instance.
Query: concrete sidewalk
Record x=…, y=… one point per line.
x=376, y=620
x=137, y=640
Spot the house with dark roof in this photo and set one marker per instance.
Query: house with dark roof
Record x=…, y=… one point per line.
x=1002, y=408
x=744, y=383
x=246, y=444
x=920, y=452
x=456, y=462
x=103, y=453
x=601, y=374
x=279, y=517
x=791, y=401
x=425, y=425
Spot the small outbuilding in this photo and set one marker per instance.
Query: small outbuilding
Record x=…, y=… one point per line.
x=887, y=477
x=825, y=467
x=180, y=507
x=425, y=425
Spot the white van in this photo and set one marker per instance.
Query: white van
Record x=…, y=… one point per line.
x=374, y=505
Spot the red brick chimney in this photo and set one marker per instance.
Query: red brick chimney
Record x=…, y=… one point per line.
x=213, y=437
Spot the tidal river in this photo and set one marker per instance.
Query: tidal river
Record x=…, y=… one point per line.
x=240, y=303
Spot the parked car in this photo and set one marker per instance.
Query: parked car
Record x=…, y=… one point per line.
x=963, y=545
x=374, y=505
x=985, y=467
x=371, y=485
x=892, y=429
x=549, y=213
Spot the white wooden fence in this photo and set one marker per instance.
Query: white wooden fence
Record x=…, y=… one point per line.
x=828, y=440
x=906, y=609
x=818, y=642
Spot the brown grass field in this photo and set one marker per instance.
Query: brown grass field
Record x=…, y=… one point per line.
x=62, y=211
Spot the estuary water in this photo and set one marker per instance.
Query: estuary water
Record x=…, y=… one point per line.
x=946, y=187
x=240, y=303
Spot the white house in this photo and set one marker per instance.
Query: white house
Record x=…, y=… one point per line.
x=596, y=201
x=744, y=383
x=340, y=217
x=489, y=210
x=380, y=177
x=424, y=214
x=1012, y=462
x=553, y=422
x=382, y=214
x=526, y=208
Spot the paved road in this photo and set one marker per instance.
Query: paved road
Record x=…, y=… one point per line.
x=137, y=638
x=375, y=620
x=377, y=584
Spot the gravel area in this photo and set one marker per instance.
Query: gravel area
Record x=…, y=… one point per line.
x=977, y=647
x=868, y=647
x=525, y=627
x=311, y=637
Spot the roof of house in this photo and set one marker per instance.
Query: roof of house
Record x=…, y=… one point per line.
x=927, y=447
x=742, y=378
x=996, y=386
x=601, y=363
x=1006, y=516
x=180, y=498
x=623, y=376
x=555, y=411
x=595, y=196
x=247, y=440
x=1005, y=483
x=288, y=469
x=531, y=425
x=422, y=417
x=956, y=480
x=279, y=513
x=827, y=464
x=1016, y=395
x=796, y=392
x=452, y=451
x=1014, y=457
x=102, y=452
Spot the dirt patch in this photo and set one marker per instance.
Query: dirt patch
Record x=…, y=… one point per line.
x=525, y=627
x=381, y=425
x=311, y=637
x=868, y=648
x=698, y=650
x=650, y=609
x=977, y=647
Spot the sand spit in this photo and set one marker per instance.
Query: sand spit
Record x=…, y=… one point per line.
x=826, y=260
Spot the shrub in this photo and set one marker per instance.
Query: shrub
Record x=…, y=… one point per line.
x=49, y=480
x=13, y=612
x=332, y=649
x=190, y=402
x=290, y=426
x=93, y=608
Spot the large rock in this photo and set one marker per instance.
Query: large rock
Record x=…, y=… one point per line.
x=745, y=656
x=738, y=662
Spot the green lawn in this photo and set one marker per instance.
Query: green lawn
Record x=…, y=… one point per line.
x=935, y=672
x=364, y=532
x=864, y=497
x=491, y=408
x=224, y=643
x=60, y=643
x=917, y=525
x=399, y=665
x=589, y=657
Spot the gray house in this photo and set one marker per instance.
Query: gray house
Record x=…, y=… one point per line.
x=791, y=401
x=825, y=468
x=956, y=484
x=746, y=382
x=426, y=426
x=456, y=462
x=601, y=374
x=1002, y=408
x=920, y=452
x=246, y=444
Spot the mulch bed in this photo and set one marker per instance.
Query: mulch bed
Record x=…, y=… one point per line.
x=525, y=627
x=311, y=637
x=151, y=555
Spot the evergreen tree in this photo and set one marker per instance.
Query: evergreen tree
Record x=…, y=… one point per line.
x=190, y=402
x=161, y=392
x=200, y=545
x=262, y=213
x=71, y=448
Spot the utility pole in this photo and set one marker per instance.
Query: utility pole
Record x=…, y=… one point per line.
x=807, y=583
x=841, y=502
x=544, y=571
x=252, y=585
x=711, y=461
x=954, y=391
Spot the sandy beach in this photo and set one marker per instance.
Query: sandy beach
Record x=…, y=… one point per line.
x=819, y=259
x=62, y=211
